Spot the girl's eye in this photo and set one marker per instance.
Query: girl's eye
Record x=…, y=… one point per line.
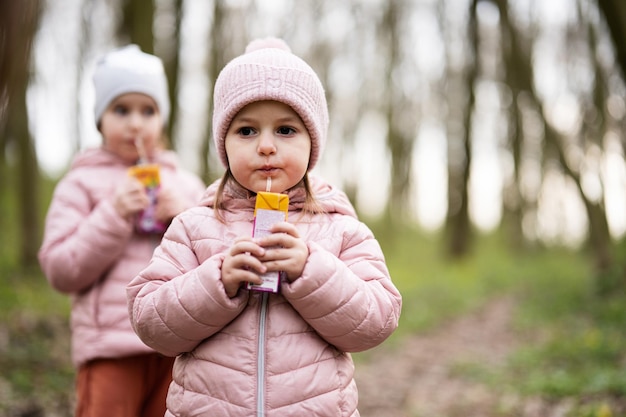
x=149, y=111
x=286, y=131
x=121, y=110
x=246, y=131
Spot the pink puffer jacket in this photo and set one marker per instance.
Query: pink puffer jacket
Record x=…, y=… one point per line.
x=92, y=253
x=261, y=354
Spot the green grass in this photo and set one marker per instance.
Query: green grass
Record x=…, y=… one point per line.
x=37, y=377
x=435, y=287
x=28, y=292
x=34, y=353
x=583, y=354
x=576, y=349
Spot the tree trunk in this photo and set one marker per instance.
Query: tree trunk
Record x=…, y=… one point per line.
x=18, y=35
x=458, y=223
x=171, y=69
x=599, y=236
x=614, y=12
x=514, y=58
x=136, y=25
x=216, y=62
x=400, y=146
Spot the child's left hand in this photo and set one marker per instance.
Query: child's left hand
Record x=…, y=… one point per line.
x=284, y=250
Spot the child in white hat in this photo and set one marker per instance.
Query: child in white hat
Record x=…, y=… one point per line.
x=93, y=244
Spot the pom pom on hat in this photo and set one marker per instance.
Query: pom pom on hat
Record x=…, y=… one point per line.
x=269, y=71
x=129, y=70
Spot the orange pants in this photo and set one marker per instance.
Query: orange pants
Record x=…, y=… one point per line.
x=134, y=386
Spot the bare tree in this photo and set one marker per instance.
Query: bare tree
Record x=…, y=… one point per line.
x=461, y=100
x=595, y=125
x=137, y=22
x=515, y=53
x=171, y=61
x=557, y=146
x=19, y=24
x=401, y=119
x=217, y=59
x=614, y=12
x=386, y=24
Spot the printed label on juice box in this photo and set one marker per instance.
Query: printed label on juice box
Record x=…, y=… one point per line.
x=149, y=176
x=270, y=208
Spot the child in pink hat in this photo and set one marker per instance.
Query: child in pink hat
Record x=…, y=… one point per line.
x=242, y=352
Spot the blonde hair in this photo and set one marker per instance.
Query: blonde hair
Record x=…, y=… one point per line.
x=311, y=205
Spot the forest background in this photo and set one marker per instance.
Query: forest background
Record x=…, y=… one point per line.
x=483, y=140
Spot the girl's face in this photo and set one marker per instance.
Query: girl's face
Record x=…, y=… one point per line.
x=132, y=120
x=268, y=139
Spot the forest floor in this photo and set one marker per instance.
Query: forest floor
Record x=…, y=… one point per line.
x=418, y=377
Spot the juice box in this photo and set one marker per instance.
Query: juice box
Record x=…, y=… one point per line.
x=149, y=176
x=269, y=208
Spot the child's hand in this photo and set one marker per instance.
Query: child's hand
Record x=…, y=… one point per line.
x=242, y=265
x=284, y=250
x=169, y=204
x=130, y=198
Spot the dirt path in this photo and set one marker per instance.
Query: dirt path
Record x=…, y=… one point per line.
x=417, y=379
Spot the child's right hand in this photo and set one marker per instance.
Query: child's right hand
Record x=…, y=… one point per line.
x=242, y=265
x=130, y=198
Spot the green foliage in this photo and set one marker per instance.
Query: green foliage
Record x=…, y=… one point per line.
x=612, y=281
x=10, y=244
x=34, y=353
x=34, y=329
x=28, y=291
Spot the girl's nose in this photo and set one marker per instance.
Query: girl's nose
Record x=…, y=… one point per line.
x=135, y=120
x=267, y=145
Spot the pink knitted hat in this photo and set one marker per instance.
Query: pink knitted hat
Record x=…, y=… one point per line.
x=269, y=71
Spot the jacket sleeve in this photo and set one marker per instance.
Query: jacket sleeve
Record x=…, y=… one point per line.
x=80, y=241
x=348, y=299
x=176, y=302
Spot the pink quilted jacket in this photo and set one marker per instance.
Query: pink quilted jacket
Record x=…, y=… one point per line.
x=92, y=253
x=262, y=354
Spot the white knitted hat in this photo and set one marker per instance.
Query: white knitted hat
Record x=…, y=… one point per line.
x=129, y=70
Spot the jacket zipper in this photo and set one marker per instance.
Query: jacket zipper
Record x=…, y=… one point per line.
x=261, y=357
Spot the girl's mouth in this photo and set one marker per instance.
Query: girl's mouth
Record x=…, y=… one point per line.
x=268, y=171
